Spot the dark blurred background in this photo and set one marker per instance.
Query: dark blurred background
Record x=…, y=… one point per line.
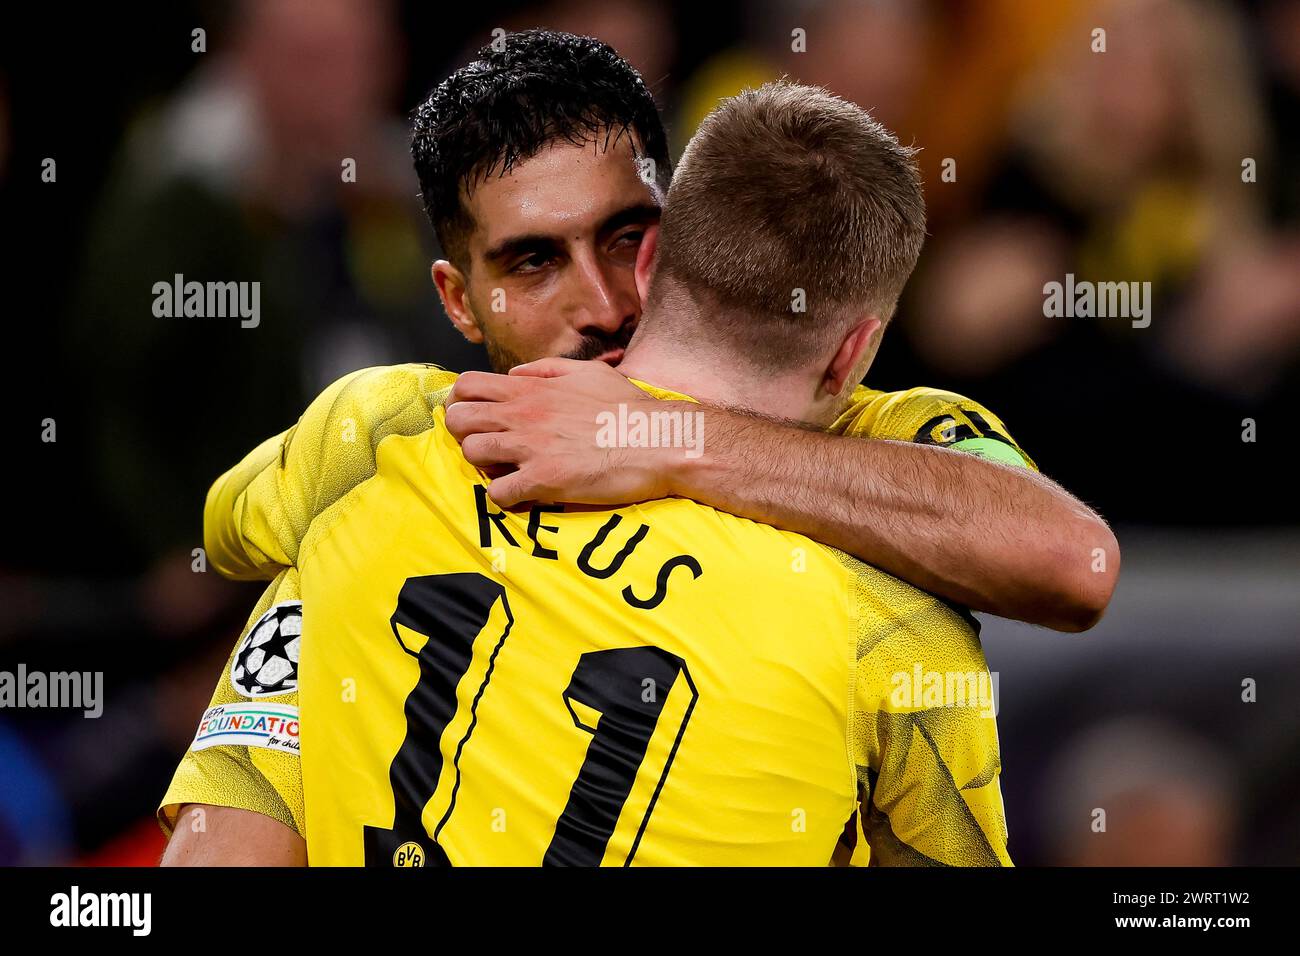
x=1125, y=165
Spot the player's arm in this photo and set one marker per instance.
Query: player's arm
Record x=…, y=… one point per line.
x=924, y=733
x=223, y=525
x=232, y=837
x=257, y=513
x=992, y=535
x=236, y=796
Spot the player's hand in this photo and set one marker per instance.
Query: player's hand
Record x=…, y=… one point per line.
x=539, y=429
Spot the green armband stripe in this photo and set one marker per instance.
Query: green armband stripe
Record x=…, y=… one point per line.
x=991, y=448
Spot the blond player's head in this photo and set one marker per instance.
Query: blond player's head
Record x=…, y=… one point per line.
x=793, y=222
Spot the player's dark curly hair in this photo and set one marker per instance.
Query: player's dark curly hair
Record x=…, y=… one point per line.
x=504, y=107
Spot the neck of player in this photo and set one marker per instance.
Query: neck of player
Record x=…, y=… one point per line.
x=716, y=376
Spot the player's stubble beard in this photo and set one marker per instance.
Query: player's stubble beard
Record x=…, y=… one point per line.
x=503, y=359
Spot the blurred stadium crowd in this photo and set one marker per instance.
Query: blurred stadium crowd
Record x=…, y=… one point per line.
x=1173, y=157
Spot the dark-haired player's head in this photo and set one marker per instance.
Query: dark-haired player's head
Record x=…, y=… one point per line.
x=793, y=222
x=542, y=163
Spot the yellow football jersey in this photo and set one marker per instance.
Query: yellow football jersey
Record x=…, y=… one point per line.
x=930, y=416
x=245, y=752
x=253, y=523
x=481, y=687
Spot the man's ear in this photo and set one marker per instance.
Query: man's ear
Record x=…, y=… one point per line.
x=645, y=261
x=452, y=289
x=854, y=355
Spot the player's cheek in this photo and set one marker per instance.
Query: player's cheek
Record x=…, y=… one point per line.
x=533, y=326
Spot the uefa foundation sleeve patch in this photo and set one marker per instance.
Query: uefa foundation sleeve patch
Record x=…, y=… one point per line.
x=273, y=726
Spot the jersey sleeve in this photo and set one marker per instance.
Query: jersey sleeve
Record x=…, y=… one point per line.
x=931, y=417
x=257, y=514
x=245, y=751
x=923, y=733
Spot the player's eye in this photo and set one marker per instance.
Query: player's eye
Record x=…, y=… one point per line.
x=533, y=263
x=628, y=242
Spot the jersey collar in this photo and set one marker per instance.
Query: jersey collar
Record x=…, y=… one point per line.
x=663, y=394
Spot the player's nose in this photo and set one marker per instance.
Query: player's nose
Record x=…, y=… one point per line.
x=608, y=299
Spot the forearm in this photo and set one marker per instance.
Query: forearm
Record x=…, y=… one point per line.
x=228, y=836
x=991, y=537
